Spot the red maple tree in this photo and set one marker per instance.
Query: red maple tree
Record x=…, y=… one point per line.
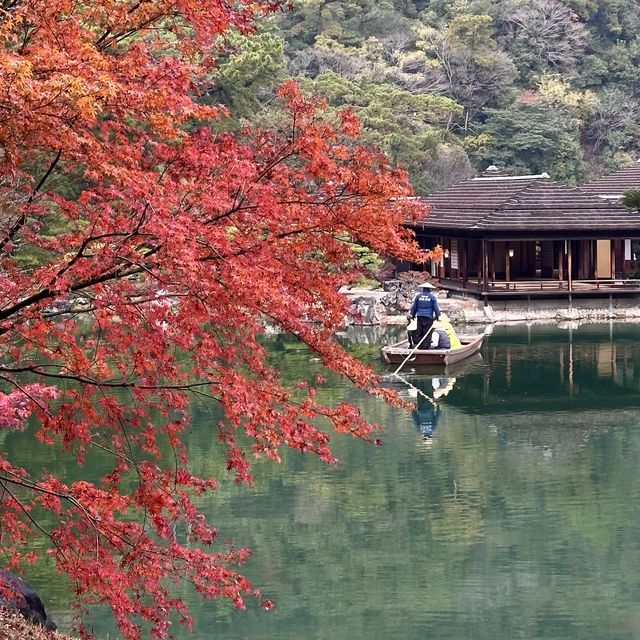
x=175, y=245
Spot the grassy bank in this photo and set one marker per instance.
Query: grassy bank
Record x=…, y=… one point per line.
x=15, y=627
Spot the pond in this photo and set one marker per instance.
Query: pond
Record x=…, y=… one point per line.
x=512, y=510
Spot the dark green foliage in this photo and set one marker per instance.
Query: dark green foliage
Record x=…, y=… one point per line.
x=531, y=139
x=249, y=71
x=439, y=82
x=396, y=62
x=407, y=126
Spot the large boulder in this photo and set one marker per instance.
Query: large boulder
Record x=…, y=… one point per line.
x=363, y=310
x=17, y=595
x=402, y=291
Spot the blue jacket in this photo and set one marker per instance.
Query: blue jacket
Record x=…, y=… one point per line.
x=425, y=304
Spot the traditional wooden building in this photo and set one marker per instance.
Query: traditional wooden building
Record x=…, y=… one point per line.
x=528, y=236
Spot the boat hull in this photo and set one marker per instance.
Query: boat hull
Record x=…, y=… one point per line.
x=397, y=353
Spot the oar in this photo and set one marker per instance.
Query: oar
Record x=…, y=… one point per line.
x=395, y=373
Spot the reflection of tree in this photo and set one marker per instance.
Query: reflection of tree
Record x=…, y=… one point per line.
x=479, y=537
x=482, y=536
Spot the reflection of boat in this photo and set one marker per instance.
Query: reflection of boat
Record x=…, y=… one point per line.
x=472, y=364
x=397, y=352
x=420, y=374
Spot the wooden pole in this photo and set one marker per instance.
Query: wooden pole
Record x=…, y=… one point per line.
x=463, y=247
x=492, y=260
x=569, y=266
x=395, y=373
x=612, y=245
x=507, y=264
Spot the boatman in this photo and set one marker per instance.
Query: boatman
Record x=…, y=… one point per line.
x=425, y=309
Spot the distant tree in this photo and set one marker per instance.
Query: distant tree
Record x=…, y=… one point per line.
x=615, y=20
x=408, y=127
x=543, y=35
x=532, y=138
x=447, y=165
x=348, y=22
x=623, y=60
x=477, y=73
x=250, y=67
x=612, y=115
x=585, y=9
x=555, y=90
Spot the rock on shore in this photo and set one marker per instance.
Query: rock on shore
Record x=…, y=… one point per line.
x=390, y=304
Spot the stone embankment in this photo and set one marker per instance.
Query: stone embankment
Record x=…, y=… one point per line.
x=391, y=303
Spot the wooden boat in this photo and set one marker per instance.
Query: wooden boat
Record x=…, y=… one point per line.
x=397, y=352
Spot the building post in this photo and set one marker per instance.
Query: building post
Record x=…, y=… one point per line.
x=463, y=247
x=569, y=266
x=485, y=266
x=507, y=264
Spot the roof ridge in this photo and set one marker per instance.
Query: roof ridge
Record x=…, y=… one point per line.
x=537, y=180
x=532, y=176
x=564, y=187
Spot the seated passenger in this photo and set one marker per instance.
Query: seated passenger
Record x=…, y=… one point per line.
x=439, y=339
x=445, y=323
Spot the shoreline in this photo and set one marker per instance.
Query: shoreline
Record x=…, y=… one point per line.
x=371, y=307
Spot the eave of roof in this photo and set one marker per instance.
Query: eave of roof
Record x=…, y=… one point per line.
x=523, y=204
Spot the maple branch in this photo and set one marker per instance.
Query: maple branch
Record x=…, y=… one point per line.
x=108, y=38
x=95, y=521
x=37, y=370
x=131, y=10
x=6, y=6
x=3, y=483
x=23, y=218
x=36, y=488
x=17, y=480
x=26, y=393
x=115, y=273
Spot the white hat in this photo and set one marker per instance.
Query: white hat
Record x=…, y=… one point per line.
x=426, y=285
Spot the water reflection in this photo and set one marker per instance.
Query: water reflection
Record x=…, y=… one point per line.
x=574, y=370
x=427, y=391
x=520, y=520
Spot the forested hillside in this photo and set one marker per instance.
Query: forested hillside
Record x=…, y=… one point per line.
x=447, y=88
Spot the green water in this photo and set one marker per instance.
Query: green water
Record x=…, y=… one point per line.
x=518, y=518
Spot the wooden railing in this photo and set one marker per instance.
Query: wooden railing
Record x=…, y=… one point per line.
x=529, y=285
x=524, y=286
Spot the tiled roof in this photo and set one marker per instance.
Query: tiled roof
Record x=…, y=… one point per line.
x=613, y=185
x=523, y=203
